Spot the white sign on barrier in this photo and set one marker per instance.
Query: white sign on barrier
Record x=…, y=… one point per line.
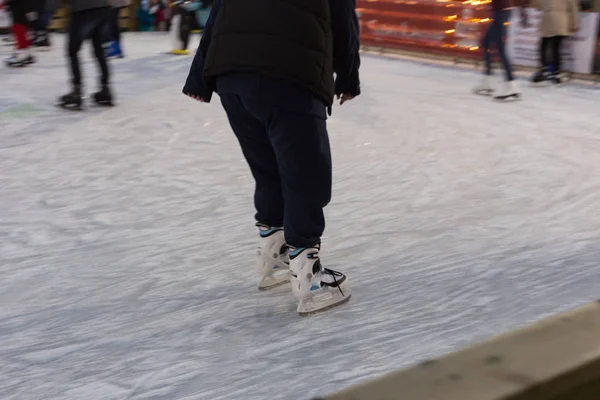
x=578, y=50
x=4, y=20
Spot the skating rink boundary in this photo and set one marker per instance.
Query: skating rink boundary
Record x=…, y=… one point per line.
x=555, y=359
x=437, y=60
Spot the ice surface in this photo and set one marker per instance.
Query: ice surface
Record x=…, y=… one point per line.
x=127, y=240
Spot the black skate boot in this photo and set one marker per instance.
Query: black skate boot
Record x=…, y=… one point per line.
x=558, y=78
x=541, y=76
x=104, y=97
x=42, y=43
x=72, y=101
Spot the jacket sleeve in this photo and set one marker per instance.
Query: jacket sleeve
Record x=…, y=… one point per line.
x=195, y=83
x=346, y=46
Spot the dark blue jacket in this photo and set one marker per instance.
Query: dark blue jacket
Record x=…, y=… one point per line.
x=346, y=58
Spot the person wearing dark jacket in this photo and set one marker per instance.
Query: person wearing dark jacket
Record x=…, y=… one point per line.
x=274, y=72
x=88, y=20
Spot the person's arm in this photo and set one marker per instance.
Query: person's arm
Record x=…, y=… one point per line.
x=195, y=85
x=346, y=47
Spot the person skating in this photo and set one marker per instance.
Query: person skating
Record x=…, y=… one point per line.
x=46, y=9
x=559, y=20
x=276, y=84
x=88, y=19
x=21, y=11
x=495, y=35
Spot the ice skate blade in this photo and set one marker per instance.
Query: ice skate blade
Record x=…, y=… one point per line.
x=267, y=283
x=70, y=108
x=325, y=300
x=325, y=308
x=484, y=92
x=104, y=104
x=540, y=84
x=509, y=97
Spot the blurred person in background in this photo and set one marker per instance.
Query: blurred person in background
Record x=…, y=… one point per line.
x=274, y=72
x=88, y=19
x=149, y=14
x=46, y=10
x=495, y=34
x=560, y=19
x=9, y=40
x=23, y=13
x=114, y=48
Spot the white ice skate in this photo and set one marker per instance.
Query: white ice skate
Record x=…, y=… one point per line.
x=485, y=88
x=273, y=261
x=20, y=59
x=510, y=92
x=315, y=287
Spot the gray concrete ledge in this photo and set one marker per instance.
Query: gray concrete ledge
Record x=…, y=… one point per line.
x=555, y=359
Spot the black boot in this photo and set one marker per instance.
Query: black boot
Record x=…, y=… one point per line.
x=542, y=75
x=104, y=97
x=42, y=42
x=72, y=101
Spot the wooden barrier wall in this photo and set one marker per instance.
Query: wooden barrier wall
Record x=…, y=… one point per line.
x=128, y=21
x=555, y=359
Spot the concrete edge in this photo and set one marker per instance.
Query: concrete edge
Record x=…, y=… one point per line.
x=551, y=359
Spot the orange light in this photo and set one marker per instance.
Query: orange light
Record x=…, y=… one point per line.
x=449, y=31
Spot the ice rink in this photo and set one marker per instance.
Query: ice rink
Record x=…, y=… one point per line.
x=127, y=238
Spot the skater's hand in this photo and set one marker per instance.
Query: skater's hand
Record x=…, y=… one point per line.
x=344, y=98
x=197, y=98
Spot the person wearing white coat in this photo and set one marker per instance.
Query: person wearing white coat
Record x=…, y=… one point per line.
x=559, y=20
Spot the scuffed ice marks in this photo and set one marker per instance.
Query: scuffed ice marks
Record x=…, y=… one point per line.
x=126, y=235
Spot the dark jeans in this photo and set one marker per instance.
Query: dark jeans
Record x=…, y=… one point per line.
x=289, y=157
x=551, y=45
x=495, y=34
x=114, y=25
x=88, y=24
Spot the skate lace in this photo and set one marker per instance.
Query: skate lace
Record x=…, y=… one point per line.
x=335, y=274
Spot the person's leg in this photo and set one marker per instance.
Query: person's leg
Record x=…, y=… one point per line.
x=556, y=56
x=544, y=46
x=272, y=259
x=22, y=55
x=301, y=146
x=115, y=28
x=20, y=34
x=499, y=35
x=485, y=44
x=80, y=28
x=76, y=36
x=258, y=151
x=100, y=19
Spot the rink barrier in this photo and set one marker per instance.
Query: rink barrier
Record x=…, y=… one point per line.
x=555, y=359
x=457, y=61
x=60, y=20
